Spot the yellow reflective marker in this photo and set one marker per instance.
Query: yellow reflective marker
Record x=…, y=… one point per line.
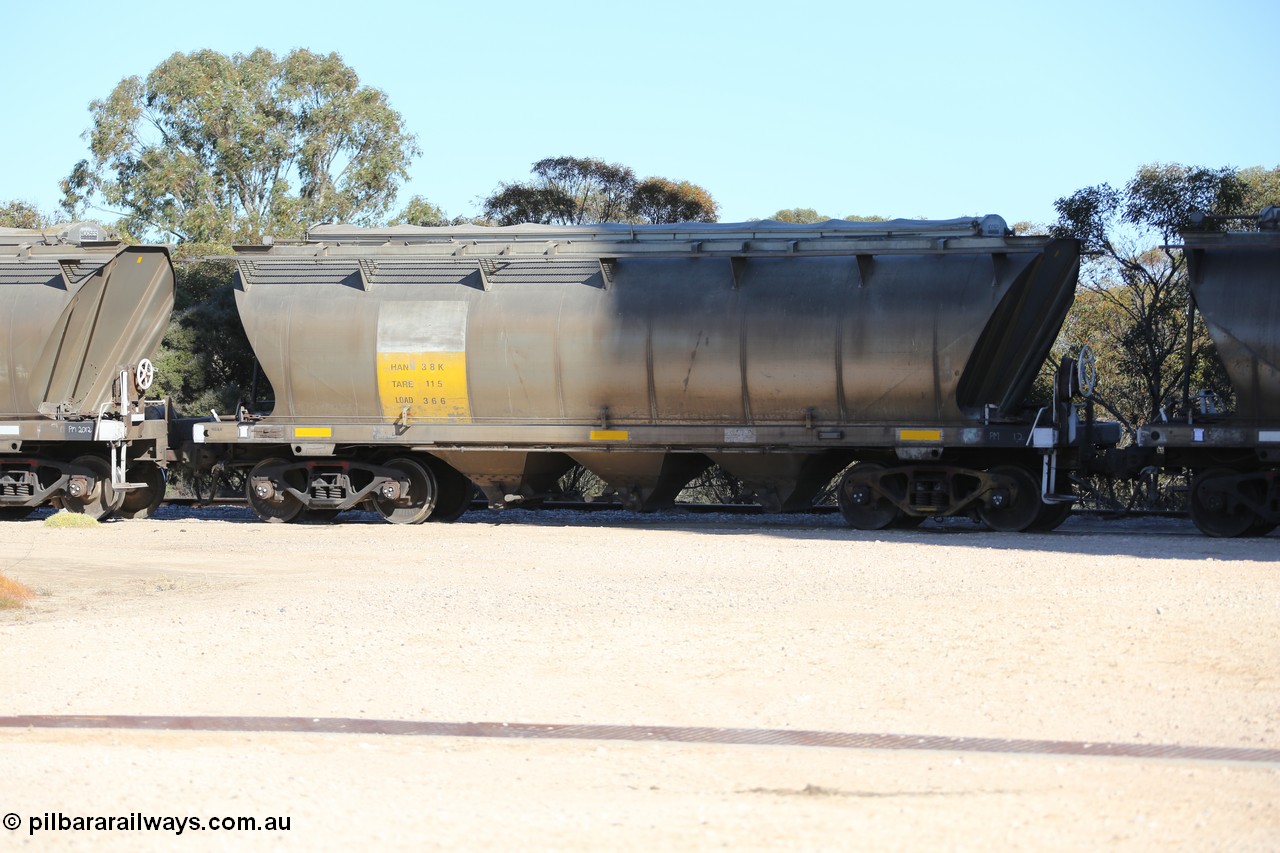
x=920, y=435
x=313, y=432
x=610, y=435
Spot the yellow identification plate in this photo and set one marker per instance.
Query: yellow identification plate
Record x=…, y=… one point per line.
x=429, y=384
x=422, y=361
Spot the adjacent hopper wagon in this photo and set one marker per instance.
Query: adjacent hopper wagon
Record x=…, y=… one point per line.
x=409, y=364
x=1234, y=458
x=80, y=317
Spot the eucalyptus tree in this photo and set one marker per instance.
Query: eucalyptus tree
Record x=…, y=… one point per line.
x=209, y=148
x=584, y=190
x=21, y=214
x=419, y=211
x=1136, y=280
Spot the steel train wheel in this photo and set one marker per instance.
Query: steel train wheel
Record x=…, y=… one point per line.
x=415, y=506
x=279, y=508
x=102, y=500
x=1050, y=517
x=1019, y=508
x=456, y=492
x=859, y=503
x=142, y=503
x=1215, y=513
x=1261, y=528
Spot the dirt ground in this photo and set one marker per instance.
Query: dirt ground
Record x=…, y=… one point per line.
x=1137, y=632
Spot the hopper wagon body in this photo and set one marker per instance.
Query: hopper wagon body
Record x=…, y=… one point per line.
x=409, y=364
x=80, y=318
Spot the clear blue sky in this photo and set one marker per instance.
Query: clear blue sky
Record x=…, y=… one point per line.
x=898, y=109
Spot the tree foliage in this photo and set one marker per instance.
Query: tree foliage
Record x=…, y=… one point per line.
x=583, y=190
x=808, y=216
x=1134, y=308
x=419, y=211
x=801, y=215
x=205, y=361
x=21, y=214
x=658, y=201
x=216, y=148
x=1261, y=188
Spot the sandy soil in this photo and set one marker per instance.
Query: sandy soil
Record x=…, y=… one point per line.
x=1135, y=632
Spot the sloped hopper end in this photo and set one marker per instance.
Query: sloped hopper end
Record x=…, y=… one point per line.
x=116, y=318
x=1020, y=332
x=1235, y=280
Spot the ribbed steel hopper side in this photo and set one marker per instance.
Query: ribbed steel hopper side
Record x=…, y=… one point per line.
x=752, y=323
x=72, y=318
x=80, y=318
x=1235, y=281
x=34, y=294
x=780, y=352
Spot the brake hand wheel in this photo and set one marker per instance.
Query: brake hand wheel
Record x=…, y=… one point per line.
x=1086, y=371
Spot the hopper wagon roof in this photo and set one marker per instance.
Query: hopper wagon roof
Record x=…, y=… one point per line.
x=612, y=240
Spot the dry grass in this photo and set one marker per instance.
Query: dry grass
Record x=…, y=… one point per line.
x=63, y=520
x=14, y=594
